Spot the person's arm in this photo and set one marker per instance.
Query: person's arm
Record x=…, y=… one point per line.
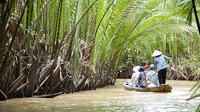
x=132, y=77
x=166, y=58
x=148, y=75
x=155, y=63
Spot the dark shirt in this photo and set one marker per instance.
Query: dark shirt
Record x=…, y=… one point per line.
x=142, y=76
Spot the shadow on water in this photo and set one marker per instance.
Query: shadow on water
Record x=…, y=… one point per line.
x=109, y=99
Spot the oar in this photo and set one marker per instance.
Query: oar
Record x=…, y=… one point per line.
x=3, y=94
x=151, y=76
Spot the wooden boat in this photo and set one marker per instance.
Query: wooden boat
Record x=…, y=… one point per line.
x=161, y=88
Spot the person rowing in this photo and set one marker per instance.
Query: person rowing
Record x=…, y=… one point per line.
x=152, y=77
x=160, y=62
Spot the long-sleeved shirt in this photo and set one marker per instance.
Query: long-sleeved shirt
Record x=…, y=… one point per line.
x=138, y=76
x=160, y=62
x=152, y=77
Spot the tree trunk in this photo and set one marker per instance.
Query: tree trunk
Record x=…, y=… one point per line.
x=33, y=72
x=196, y=16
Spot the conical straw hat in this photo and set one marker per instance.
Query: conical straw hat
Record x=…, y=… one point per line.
x=156, y=53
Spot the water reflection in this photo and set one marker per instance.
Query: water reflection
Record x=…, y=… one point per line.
x=109, y=99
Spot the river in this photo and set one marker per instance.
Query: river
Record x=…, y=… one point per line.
x=109, y=99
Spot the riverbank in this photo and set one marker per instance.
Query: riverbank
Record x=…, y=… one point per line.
x=109, y=98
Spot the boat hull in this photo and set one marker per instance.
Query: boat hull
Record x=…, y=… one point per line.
x=127, y=86
x=161, y=88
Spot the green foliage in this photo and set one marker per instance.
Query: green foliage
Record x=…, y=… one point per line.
x=192, y=63
x=97, y=37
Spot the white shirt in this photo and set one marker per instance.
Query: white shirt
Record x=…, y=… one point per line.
x=135, y=76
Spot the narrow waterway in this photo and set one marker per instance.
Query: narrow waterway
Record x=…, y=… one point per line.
x=109, y=99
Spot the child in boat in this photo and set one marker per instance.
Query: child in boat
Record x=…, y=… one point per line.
x=139, y=78
x=152, y=76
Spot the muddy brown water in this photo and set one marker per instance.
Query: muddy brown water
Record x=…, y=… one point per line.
x=109, y=99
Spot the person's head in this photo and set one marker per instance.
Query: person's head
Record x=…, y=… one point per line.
x=141, y=69
x=156, y=53
x=152, y=67
x=146, y=67
x=136, y=69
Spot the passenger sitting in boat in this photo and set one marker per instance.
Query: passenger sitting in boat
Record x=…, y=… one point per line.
x=139, y=79
x=152, y=76
x=135, y=73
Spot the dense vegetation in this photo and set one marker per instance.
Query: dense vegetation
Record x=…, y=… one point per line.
x=48, y=46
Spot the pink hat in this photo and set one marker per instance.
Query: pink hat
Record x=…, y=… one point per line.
x=146, y=66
